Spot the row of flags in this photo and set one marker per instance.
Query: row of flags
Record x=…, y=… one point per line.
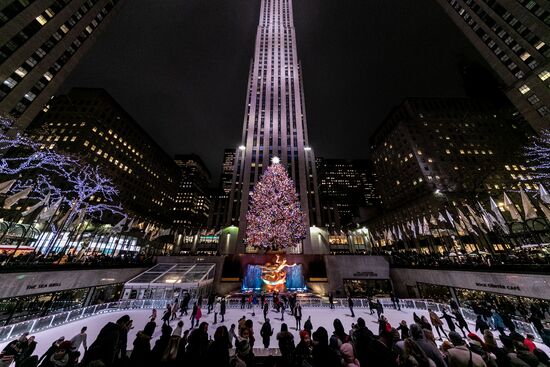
x=475, y=220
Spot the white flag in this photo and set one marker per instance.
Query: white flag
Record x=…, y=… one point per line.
x=49, y=212
x=42, y=202
x=433, y=221
x=130, y=225
x=528, y=209
x=13, y=199
x=499, y=217
x=544, y=195
x=441, y=218
x=6, y=186
x=426, y=227
x=118, y=227
x=511, y=207
x=420, y=228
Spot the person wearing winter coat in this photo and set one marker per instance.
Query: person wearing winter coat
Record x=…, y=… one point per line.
x=222, y=309
x=339, y=333
x=404, y=329
x=431, y=351
x=106, y=347
x=51, y=350
x=424, y=323
x=308, y=326
x=298, y=315
x=461, y=322
x=286, y=343
x=350, y=305
x=449, y=319
x=266, y=332
x=348, y=355
x=437, y=323
x=481, y=325
x=498, y=321
x=218, y=351
x=141, y=353
x=303, y=353
x=79, y=339
x=61, y=357
x=216, y=310
x=460, y=355
x=413, y=355
x=193, y=314
x=166, y=316
x=185, y=304
x=361, y=338
x=323, y=355
x=197, y=344
x=27, y=351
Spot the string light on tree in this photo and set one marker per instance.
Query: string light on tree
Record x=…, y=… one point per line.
x=275, y=218
x=538, y=156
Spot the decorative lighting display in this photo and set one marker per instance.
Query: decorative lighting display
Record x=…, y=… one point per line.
x=538, y=156
x=55, y=175
x=274, y=275
x=275, y=219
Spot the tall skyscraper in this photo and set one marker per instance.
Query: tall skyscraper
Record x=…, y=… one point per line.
x=40, y=42
x=275, y=119
x=192, y=204
x=514, y=38
x=346, y=186
x=227, y=169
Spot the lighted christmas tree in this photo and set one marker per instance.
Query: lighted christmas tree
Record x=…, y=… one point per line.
x=275, y=219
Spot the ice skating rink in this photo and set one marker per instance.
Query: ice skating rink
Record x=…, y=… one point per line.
x=320, y=316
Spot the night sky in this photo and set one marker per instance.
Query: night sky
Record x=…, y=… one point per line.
x=180, y=67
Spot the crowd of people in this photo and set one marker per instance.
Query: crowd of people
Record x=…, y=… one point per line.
x=492, y=342
x=519, y=258
x=37, y=259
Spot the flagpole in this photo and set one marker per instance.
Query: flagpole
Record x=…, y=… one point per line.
x=24, y=240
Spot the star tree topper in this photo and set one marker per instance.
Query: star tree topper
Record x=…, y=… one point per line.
x=275, y=219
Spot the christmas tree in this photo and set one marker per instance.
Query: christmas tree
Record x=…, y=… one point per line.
x=275, y=218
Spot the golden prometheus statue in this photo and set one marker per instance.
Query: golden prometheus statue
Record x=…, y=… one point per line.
x=274, y=275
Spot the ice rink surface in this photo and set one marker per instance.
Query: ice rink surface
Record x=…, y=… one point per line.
x=319, y=317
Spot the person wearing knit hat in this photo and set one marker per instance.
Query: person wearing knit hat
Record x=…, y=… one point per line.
x=489, y=339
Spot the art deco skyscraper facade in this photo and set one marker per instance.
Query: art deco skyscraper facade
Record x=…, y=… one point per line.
x=514, y=38
x=40, y=42
x=275, y=119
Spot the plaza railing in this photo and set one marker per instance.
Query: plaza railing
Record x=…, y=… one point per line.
x=54, y=320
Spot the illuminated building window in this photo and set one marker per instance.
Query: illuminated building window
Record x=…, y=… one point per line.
x=94, y=129
x=543, y=75
x=21, y=72
x=41, y=19
x=447, y=151
x=86, y=143
x=73, y=138
x=507, y=167
x=10, y=83
x=524, y=89
x=524, y=56
x=93, y=148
